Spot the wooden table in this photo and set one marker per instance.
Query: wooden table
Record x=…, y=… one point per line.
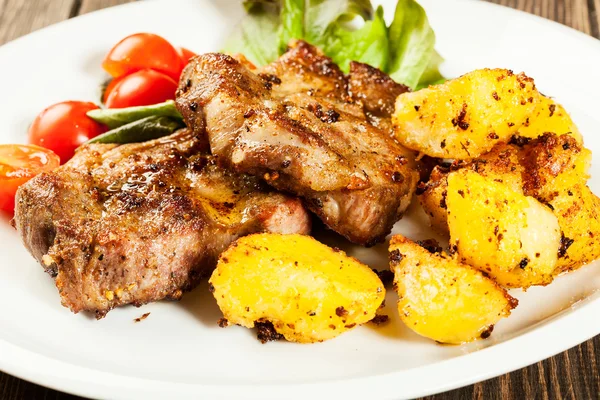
x=572, y=374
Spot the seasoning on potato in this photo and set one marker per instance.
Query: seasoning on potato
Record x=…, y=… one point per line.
x=578, y=212
x=512, y=237
x=549, y=116
x=553, y=163
x=307, y=290
x=465, y=117
x=442, y=299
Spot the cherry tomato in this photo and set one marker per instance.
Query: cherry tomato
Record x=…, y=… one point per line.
x=111, y=85
x=141, y=88
x=18, y=164
x=63, y=127
x=141, y=51
x=184, y=55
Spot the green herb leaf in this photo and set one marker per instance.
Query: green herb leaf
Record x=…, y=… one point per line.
x=412, y=43
x=115, y=117
x=141, y=130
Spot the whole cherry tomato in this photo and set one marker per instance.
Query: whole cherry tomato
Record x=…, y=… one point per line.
x=141, y=88
x=109, y=87
x=184, y=55
x=141, y=51
x=18, y=164
x=63, y=127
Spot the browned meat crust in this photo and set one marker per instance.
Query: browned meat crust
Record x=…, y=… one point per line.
x=377, y=93
x=295, y=124
x=142, y=222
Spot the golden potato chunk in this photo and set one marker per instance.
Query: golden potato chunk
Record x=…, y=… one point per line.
x=549, y=116
x=511, y=236
x=308, y=291
x=442, y=299
x=501, y=164
x=548, y=169
x=578, y=212
x=465, y=117
x=432, y=197
x=540, y=168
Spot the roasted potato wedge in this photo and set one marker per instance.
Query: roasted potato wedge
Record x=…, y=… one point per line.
x=540, y=168
x=512, y=237
x=556, y=172
x=578, y=212
x=308, y=291
x=549, y=116
x=442, y=299
x=467, y=116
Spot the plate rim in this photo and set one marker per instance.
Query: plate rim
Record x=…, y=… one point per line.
x=84, y=381
x=533, y=343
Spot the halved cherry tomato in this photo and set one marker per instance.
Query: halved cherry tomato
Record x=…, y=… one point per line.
x=141, y=88
x=63, y=127
x=140, y=51
x=184, y=55
x=18, y=164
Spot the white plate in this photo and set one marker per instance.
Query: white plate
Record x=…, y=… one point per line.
x=179, y=351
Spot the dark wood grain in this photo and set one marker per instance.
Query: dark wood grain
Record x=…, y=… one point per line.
x=573, y=374
x=578, y=14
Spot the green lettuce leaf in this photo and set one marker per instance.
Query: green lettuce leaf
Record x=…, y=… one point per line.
x=324, y=24
x=321, y=14
x=292, y=22
x=368, y=44
x=256, y=36
x=432, y=75
x=412, y=43
x=405, y=49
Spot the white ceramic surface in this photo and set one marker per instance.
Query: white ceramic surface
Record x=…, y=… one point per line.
x=179, y=351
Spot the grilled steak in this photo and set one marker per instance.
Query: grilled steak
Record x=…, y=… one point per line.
x=296, y=124
x=142, y=222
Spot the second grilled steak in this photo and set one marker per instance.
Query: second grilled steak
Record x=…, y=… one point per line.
x=296, y=124
x=142, y=222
